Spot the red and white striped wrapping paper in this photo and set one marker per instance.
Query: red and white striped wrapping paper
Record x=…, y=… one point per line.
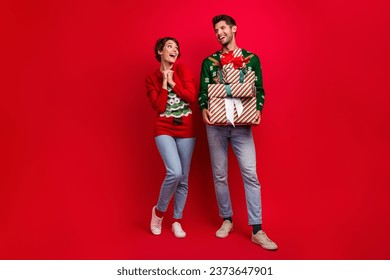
x=238, y=90
x=231, y=75
x=246, y=91
x=218, y=111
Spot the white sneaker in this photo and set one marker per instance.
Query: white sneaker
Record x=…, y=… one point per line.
x=177, y=230
x=262, y=239
x=227, y=226
x=155, y=223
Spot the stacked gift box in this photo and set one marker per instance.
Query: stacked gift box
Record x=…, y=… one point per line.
x=236, y=91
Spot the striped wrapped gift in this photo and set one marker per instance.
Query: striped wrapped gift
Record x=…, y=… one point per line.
x=233, y=101
x=231, y=75
x=218, y=111
x=232, y=90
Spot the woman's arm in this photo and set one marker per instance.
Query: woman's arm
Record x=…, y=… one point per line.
x=183, y=82
x=158, y=96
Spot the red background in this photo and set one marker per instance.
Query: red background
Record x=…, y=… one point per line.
x=79, y=168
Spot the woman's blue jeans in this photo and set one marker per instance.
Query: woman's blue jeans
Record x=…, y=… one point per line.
x=176, y=154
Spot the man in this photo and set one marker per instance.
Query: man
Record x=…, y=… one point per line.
x=240, y=136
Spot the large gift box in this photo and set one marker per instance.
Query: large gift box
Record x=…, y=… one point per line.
x=221, y=108
x=233, y=104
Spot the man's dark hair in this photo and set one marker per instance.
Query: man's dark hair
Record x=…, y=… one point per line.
x=228, y=19
x=160, y=45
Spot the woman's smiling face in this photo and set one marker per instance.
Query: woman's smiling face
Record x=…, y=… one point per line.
x=170, y=52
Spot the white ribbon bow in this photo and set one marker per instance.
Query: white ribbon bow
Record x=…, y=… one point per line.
x=230, y=103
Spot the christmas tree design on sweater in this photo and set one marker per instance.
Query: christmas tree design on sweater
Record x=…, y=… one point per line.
x=176, y=107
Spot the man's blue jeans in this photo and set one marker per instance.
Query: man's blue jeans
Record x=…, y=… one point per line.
x=176, y=154
x=244, y=148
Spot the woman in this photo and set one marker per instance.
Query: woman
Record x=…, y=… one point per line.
x=170, y=90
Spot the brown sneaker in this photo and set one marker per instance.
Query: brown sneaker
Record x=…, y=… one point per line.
x=262, y=239
x=224, y=230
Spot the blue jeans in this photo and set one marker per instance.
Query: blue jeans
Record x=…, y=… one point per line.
x=176, y=154
x=244, y=148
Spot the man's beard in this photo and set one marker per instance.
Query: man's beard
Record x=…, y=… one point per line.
x=226, y=43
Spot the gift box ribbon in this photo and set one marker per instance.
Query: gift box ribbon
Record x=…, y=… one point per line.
x=228, y=91
x=230, y=104
x=237, y=62
x=243, y=72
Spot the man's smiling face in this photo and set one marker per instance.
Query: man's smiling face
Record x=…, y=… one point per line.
x=224, y=32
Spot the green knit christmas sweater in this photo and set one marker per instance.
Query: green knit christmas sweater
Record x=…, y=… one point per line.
x=176, y=107
x=210, y=75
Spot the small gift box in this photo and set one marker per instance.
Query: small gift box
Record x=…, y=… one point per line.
x=233, y=68
x=231, y=76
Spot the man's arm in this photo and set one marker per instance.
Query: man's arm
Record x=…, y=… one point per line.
x=260, y=95
x=205, y=80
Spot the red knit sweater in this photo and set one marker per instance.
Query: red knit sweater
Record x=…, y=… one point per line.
x=184, y=89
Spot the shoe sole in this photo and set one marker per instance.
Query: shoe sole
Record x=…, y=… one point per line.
x=156, y=233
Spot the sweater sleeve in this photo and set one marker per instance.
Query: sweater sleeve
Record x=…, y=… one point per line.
x=184, y=84
x=260, y=94
x=205, y=78
x=158, y=96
